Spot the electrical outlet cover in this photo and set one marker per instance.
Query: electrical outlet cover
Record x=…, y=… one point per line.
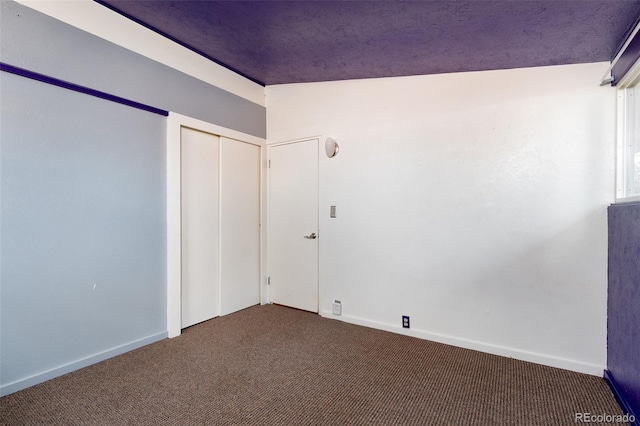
x=405, y=321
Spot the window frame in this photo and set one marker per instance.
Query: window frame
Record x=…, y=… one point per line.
x=624, y=132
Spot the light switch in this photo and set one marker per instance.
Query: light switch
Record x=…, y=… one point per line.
x=333, y=211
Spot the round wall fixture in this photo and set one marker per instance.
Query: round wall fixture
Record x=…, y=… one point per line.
x=331, y=147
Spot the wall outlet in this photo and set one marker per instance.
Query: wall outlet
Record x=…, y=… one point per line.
x=405, y=321
x=337, y=307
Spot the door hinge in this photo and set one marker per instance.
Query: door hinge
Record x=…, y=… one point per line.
x=268, y=280
x=269, y=163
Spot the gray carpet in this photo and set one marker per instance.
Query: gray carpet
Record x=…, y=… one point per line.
x=270, y=365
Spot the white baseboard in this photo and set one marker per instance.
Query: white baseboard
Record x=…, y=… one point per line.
x=538, y=358
x=20, y=384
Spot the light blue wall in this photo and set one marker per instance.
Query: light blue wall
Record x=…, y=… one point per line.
x=39, y=43
x=83, y=227
x=82, y=195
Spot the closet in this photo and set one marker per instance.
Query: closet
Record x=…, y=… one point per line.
x=219, y=225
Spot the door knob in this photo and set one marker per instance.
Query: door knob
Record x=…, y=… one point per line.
x=313, y=236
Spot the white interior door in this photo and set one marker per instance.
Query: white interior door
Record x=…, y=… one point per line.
x=240, y=225
x=200, y=233
x=293, y=225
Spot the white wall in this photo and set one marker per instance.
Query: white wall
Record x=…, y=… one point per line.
x=473, y=202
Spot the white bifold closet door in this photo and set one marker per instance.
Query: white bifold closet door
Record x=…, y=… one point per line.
x=199, y=164
x=220, y=205
x=240, y=225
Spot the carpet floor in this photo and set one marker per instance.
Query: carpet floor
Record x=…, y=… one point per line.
x=271, y=365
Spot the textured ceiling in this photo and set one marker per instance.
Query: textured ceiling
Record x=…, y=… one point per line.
x=275, y=42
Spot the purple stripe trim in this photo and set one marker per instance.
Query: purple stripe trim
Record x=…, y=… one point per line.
x=175, y=40
x=77, y=88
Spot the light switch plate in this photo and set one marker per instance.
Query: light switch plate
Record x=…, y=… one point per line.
x=333, y=211
x=337, y=307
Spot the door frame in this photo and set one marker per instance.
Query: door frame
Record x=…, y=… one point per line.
x=175, y=122
x=319, y=138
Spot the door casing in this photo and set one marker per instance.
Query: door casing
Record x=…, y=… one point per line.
x=175, y=122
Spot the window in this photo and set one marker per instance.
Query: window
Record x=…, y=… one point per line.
x=628, y=179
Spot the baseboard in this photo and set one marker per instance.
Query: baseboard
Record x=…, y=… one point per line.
x=619, y=395
x=76, y=365
x=548, y=360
